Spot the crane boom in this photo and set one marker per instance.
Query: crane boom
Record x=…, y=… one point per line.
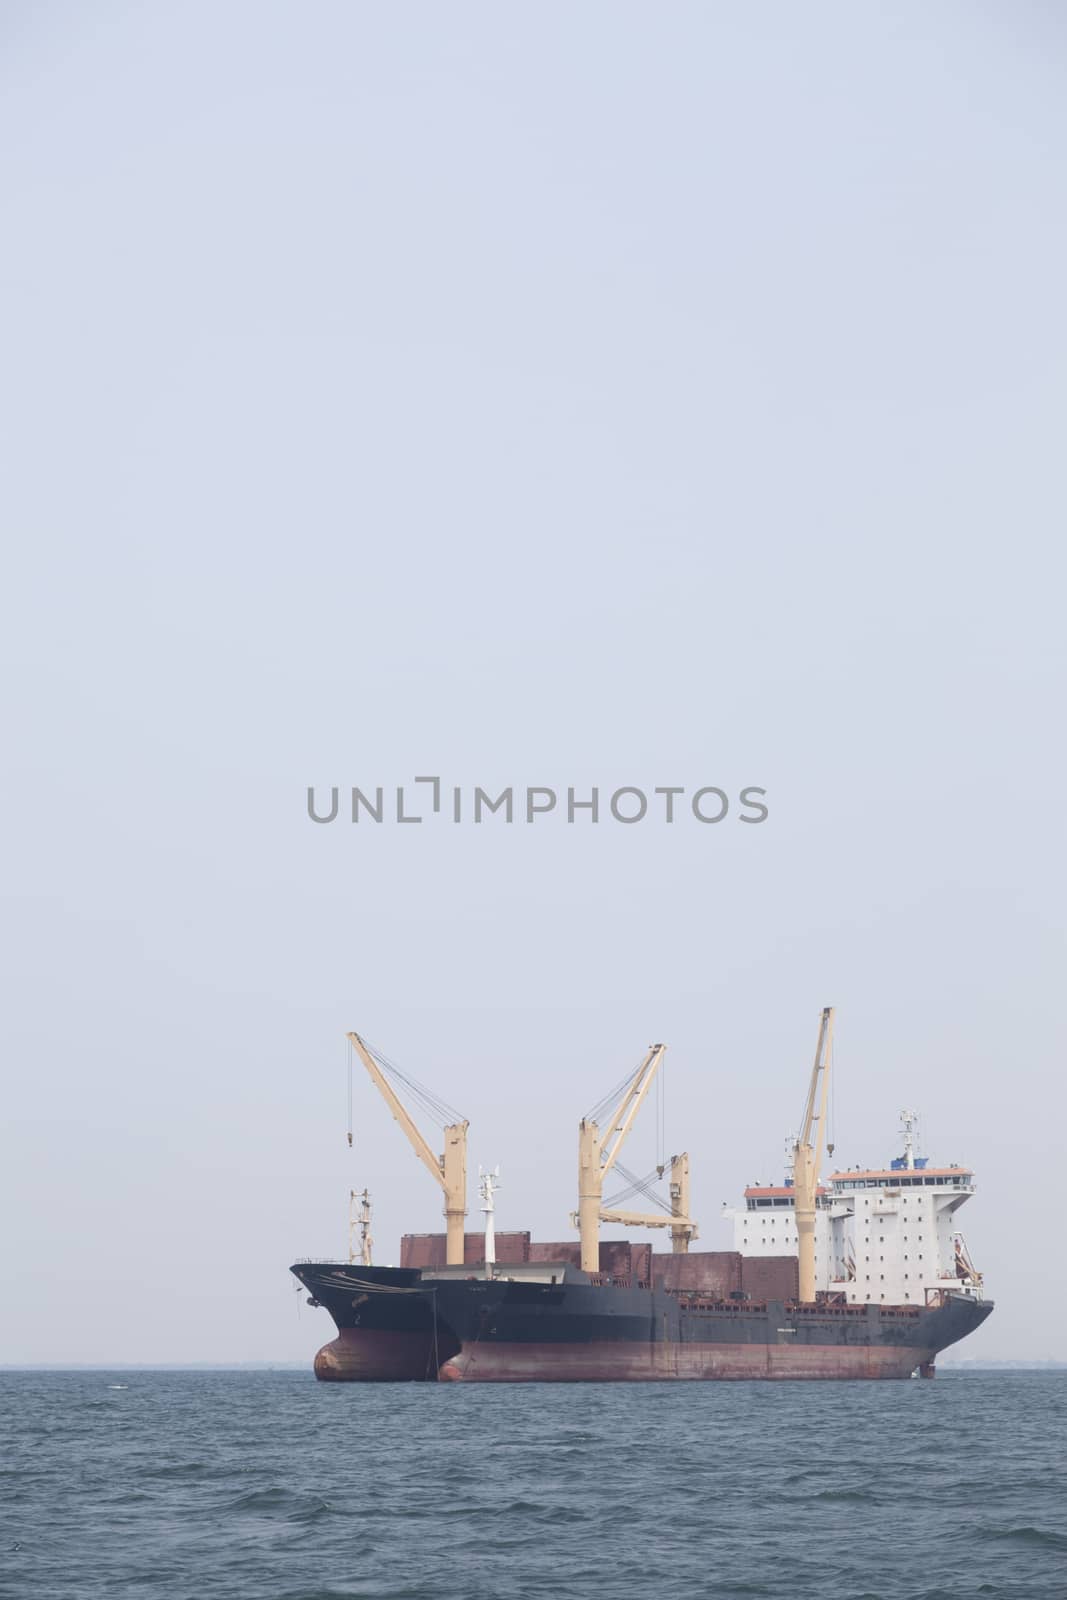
x=431, y=1162
x=631, y=1103
x=449, y=1169
x=817, y=1087
x=807, y=1155
x=635, y=1219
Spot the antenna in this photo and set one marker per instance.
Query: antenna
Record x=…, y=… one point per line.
x=910, y=1121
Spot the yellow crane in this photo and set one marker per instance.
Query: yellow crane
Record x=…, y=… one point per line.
x=682, y=1230
x=449, y=1169
x=807, y=1155
x=598, y=1153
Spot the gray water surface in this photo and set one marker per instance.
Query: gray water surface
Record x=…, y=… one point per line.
x=269, y=1486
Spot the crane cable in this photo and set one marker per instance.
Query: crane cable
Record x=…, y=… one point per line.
x=641, y=1186
x=350, y=1056
x=437, y=1109
x=439, y=1112
x=613, y=1096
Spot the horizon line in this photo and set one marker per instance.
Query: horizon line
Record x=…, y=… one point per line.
x=971, y=1363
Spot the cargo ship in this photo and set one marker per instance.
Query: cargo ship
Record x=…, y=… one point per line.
x=552, y=1322
x=861, y=1277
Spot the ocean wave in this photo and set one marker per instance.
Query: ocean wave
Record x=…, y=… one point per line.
x=1039, y=1538
x=292, y=1505
x=848, y=1496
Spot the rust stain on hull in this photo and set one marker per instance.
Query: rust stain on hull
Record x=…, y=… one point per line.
x=361, y=1355
x=613, y=1363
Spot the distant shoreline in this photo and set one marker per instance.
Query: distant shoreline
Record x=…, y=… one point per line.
x=946, y=1367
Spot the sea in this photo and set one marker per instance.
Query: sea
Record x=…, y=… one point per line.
x=266, y=1485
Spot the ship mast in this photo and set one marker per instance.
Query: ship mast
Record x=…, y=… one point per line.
x=449, y=1169
x=359, y=1215
x=487, y=1186
x=807, y=1155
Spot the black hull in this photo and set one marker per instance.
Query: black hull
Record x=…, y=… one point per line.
x=399, y=1324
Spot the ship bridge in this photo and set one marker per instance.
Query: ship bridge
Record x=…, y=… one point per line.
x=919, y=1177
x=884, y=1235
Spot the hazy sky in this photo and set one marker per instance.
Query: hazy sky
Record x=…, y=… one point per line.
x=528, y=394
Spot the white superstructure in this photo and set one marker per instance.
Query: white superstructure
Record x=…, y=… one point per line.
x=886, y=1235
